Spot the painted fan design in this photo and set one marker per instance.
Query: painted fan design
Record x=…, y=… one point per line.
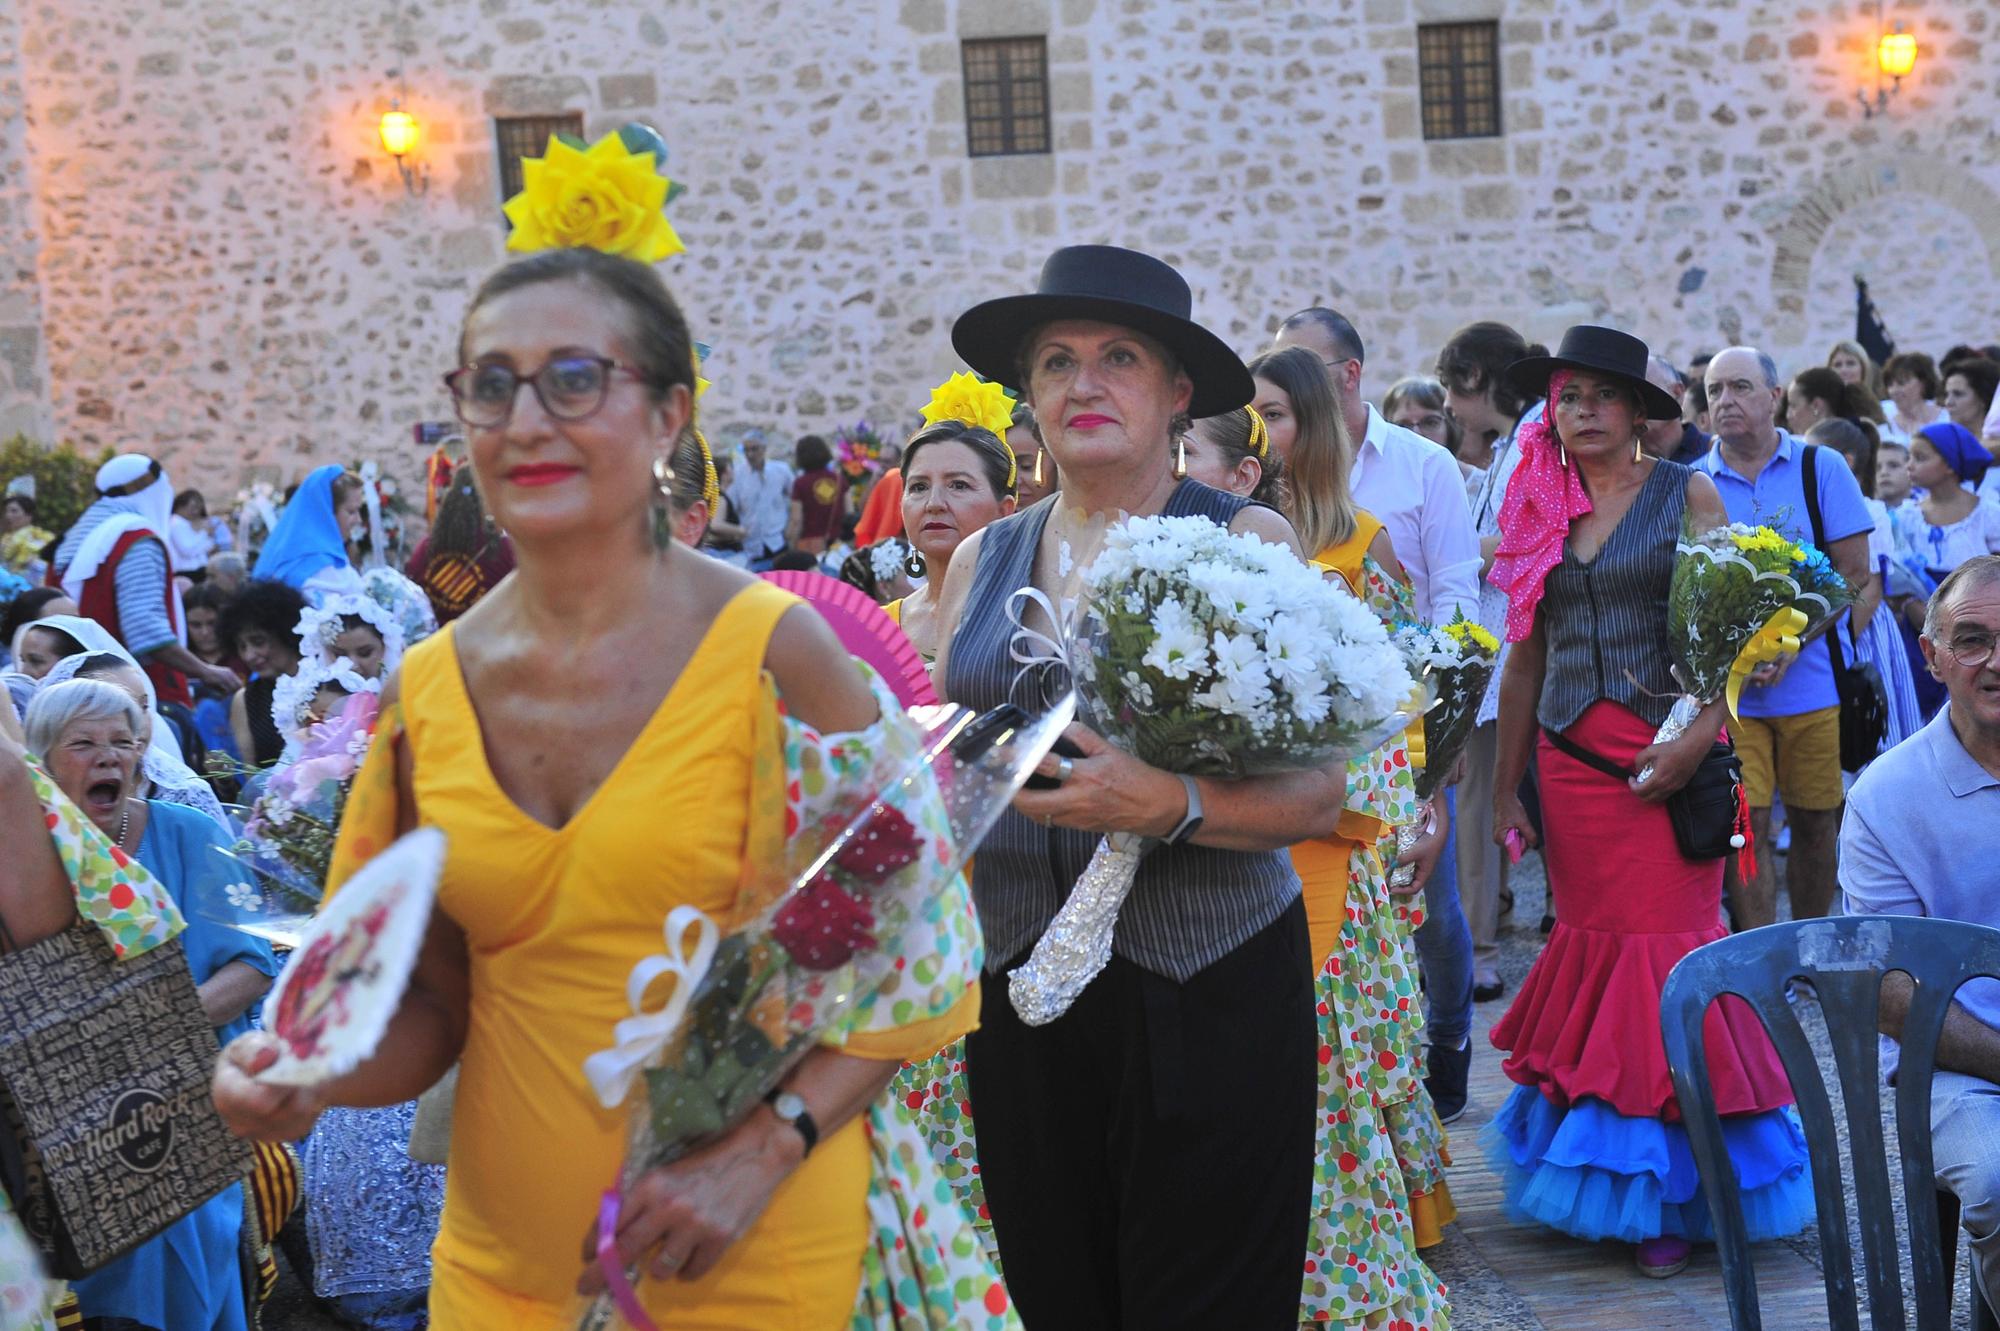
x=866, y=631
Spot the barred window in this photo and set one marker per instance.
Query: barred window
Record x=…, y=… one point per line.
x=528, y=136
x=1006, y=96
x=1459, y=64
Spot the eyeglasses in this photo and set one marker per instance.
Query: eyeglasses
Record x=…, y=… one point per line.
x=570, y=388
x=1970, y=650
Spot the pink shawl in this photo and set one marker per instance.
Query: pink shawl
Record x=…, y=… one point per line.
x=1544, y=496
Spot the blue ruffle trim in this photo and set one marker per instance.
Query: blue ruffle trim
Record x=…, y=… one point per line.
x=1592, y=1172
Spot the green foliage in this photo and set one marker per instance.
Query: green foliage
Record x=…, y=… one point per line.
x=65, y=480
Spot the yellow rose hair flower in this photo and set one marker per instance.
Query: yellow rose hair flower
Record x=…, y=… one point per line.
x=968, y=398
x=606, y=198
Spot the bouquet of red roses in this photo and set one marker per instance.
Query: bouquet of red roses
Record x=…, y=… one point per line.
x=852, y=909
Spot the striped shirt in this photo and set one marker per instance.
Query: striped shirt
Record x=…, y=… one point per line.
x=140, y=579
x=1605, y=622
x=1190, y=905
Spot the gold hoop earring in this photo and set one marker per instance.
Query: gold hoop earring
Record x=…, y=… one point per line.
x=663, y=511
x=1180, y=458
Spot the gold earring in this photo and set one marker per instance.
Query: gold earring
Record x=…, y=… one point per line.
x=1040, y=453
x=1638, y=448
x=663, y=512
x=1180, y=458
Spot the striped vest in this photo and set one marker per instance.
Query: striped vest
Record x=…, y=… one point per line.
x=1605, y=622
x=1191, y=905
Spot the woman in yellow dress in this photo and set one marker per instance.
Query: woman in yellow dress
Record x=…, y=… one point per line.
x=1378, y=1184
x=588, y=736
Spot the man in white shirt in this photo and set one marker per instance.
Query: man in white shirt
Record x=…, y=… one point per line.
x=1414, y=488
x=761, y=489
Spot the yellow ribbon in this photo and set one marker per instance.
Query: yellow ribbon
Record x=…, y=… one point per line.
x=1779, y=637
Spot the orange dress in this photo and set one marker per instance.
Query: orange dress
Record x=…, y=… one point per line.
x=554, y=920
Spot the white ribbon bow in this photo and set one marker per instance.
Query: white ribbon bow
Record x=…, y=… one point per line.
x=643, y=1036
x=1030, y=648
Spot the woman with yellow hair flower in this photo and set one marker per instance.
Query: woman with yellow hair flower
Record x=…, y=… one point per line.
x=616, y=673
x=958, y=475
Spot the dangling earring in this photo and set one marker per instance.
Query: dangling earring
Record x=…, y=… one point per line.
x=913, y=564
x=1562, y=454
x=1180, y=458
x=1040, y=453
x=663, y=511
x=1638, y=448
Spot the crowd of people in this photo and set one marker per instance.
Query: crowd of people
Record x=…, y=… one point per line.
x=1261, y=1082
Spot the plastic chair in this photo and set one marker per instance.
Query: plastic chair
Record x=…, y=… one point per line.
x=1844, y=961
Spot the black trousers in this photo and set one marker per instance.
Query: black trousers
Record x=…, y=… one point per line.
x=1148, y=1156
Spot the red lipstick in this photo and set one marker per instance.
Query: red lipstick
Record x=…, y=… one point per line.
x=541, y=473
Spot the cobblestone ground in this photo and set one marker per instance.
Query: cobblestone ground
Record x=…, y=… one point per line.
x=1482, y=1298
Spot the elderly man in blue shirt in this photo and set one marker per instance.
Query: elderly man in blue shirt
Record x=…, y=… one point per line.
x=1923, y=838
x=1788, y=731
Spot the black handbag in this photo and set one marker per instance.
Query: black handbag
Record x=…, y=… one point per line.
x=1703, y=812
x=1864, y=702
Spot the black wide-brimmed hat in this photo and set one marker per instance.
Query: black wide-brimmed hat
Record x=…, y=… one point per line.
x=1600, y=351
x=1108, y=285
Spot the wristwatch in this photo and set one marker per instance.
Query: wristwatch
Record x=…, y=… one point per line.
x=791, y=1109
x=1192, y=823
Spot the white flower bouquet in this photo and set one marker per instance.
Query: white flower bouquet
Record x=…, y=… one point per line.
x=1207, y=654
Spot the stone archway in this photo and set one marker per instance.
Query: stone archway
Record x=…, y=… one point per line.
x=1955, y=187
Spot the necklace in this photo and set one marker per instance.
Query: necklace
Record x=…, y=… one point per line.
x=124, y=823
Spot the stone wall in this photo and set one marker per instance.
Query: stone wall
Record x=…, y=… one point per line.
x=24, y=398
x=206, y=242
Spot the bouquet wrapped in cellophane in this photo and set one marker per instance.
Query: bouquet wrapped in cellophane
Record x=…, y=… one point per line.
x=1741, y=596
x=289, y=830
x=846, y=917
x=1455, y=663
x=1206, y=654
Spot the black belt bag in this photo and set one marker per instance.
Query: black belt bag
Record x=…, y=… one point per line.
x=1703, y=812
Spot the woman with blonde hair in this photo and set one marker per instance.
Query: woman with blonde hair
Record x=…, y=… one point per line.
x=1375, y=1107
x=1851, y=361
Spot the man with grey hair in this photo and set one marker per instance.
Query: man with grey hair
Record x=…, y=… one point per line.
x=1675, y=440
x=1921, y=837
x=1788, y=731
x=227, y=571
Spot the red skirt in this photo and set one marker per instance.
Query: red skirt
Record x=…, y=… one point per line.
x=1628, y=906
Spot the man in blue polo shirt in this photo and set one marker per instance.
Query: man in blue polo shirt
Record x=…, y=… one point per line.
x=1923, y=838
x=1788, y=732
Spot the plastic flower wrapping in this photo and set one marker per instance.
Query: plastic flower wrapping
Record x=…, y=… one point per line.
x=1208, y=654
x=289, y=831
x=846, y=912
x=1455, y=663
x=1741, y=596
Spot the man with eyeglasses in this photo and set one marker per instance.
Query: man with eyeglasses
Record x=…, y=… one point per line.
x=1922, y=837
x=1415, y=489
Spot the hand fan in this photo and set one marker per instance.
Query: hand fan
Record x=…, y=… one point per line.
x=866, y=631
x=335, y=996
